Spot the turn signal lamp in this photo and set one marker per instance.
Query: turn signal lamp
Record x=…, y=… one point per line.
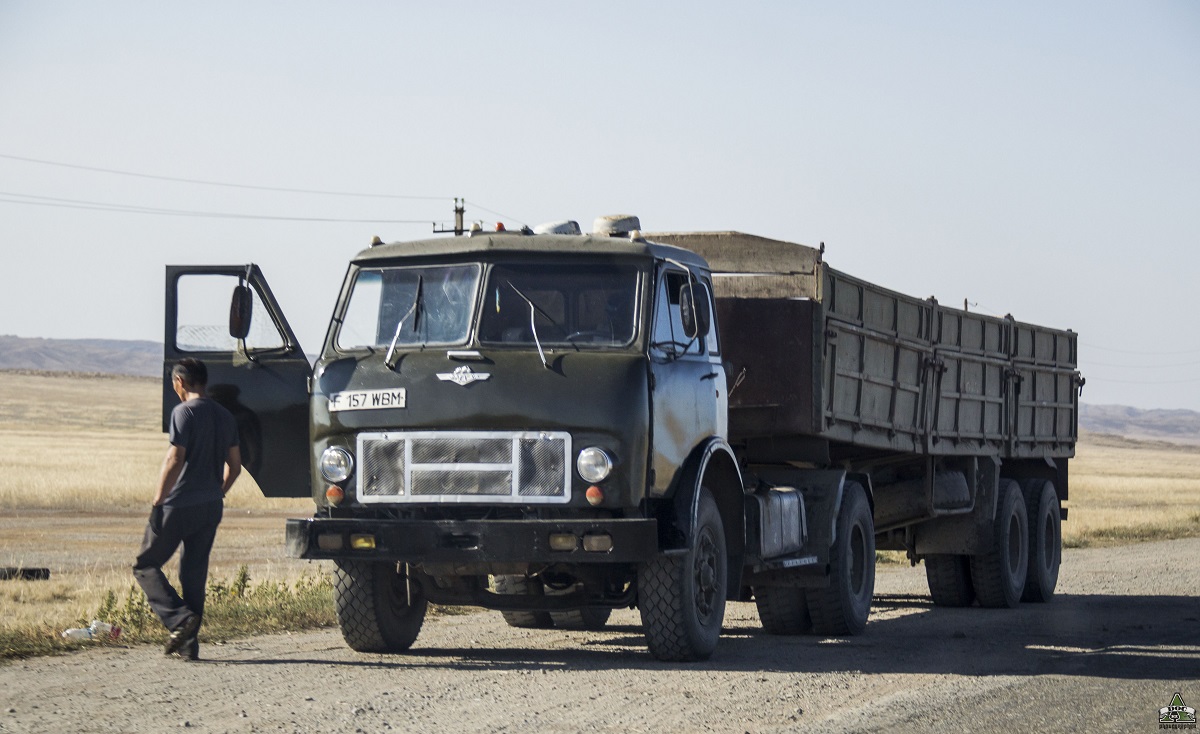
x=362, y=542
x=595, y=495
x=335, y=495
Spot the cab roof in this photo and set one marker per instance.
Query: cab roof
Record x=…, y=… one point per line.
x=517, y=243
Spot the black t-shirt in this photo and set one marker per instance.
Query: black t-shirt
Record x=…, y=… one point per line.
x=206, y=431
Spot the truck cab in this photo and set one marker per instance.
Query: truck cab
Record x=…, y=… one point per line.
x=511, y=420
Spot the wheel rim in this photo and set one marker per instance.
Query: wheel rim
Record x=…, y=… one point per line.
x=705, y=575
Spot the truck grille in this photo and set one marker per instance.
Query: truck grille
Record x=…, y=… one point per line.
x=448, y=466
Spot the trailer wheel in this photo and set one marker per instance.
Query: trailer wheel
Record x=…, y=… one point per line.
x=998, y=575
x=1045, y=540
x=373, y=608
x=783, y=610
x=842, y=607
x=681, y=596
x=521, y=585
x=949, y=577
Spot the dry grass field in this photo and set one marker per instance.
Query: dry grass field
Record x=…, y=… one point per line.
x=79, y=457
x=79, y=460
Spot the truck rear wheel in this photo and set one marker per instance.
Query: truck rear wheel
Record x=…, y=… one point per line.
x=1045, y=540
x=523, y=586
x=998, y=575
x=374, y=608
x=681, y=596
x=783, y=610
x=949, y=577
x=842, y=607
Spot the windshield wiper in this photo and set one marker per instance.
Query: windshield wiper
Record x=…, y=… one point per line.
x=415, y=311
x=535, y=309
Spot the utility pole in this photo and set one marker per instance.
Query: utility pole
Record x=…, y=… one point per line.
x=460, y=208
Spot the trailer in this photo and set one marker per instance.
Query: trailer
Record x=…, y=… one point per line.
x=555, y=425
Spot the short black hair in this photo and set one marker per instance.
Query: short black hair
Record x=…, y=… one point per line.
x=192, y=371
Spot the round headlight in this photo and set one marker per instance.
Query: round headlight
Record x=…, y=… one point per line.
x=594, y=464
x=336, y=464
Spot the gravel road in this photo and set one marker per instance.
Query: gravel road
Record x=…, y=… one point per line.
x=1120, y=639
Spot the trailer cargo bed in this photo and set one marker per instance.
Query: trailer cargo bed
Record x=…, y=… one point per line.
x=847, y=366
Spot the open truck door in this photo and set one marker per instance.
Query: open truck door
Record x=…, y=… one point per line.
x=226, y=316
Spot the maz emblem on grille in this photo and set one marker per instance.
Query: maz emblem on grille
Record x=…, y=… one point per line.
x=463, y=376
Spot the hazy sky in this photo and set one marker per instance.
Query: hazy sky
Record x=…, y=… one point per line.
x=1036, y=158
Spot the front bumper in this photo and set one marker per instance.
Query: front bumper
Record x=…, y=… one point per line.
x=468, y=541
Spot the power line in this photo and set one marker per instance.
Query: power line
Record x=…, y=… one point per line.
x=493, y=211
x=128, y=209
x=1138, y=351
x=1092, y=379
x=204, y=182
x=1090, y=363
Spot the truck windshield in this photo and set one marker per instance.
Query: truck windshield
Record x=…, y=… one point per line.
x=434, y=303
x=586, y=305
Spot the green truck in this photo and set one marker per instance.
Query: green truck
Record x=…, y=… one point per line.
x=555, y=425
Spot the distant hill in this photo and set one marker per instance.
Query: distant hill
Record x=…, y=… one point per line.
x=109, y=356
x=1177, y=426
x=144, y=359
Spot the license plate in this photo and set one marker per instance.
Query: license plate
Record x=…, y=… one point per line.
x=367, y=399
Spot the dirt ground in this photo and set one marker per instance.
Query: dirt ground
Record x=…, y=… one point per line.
x=1119, y=641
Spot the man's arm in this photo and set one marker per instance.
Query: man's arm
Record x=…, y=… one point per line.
x=171, y=468
x=233, y=467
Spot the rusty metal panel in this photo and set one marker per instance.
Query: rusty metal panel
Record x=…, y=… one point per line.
x=1045, y=402
x=768, y=344
x=877, y=343
x=970, y=378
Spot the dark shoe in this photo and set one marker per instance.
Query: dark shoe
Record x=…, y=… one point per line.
x=189, y=651
x=181, y=634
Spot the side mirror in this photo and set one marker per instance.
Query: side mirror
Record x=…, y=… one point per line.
x=693, y=310
x=240, y=311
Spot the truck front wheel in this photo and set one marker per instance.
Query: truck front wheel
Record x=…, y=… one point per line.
x=998, y=574
x=682, y=595
x=842, y=607
x=378, y=610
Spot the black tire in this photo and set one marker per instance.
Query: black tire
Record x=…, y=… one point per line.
x=588, y=618
x=783, y=610
x=998, y=574
x=949, y=577
x=373, y=607
x=682, y=596
x=842, y=607
x=1045, y=540
x=524, y=586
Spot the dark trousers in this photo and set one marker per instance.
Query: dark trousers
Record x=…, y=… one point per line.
x=196, y=528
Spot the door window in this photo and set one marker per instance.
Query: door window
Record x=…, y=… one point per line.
x=669, y=337
x=202, y=320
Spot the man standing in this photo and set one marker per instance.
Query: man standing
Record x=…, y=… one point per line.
x=200, y=467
